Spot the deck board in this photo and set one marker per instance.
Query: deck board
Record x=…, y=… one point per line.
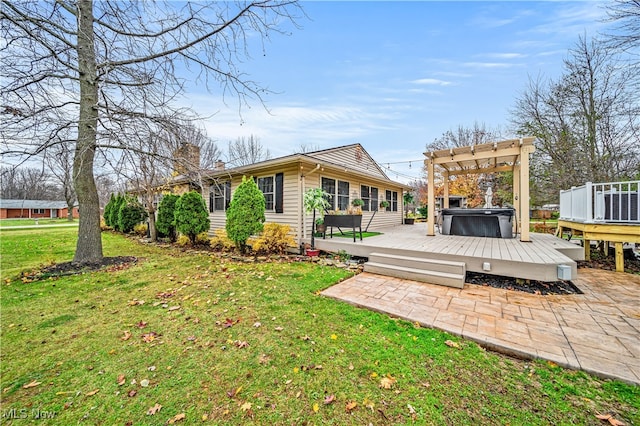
x=537, y=259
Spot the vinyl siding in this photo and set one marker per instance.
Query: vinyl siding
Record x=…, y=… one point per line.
x=355, y=156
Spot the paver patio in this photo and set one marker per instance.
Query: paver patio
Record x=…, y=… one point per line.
x=598, y=331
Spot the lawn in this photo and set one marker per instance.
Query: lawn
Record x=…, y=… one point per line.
x=8, y=223
x=196, y=338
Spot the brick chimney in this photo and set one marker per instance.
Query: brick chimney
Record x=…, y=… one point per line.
x=219, y=165
x=186, y=158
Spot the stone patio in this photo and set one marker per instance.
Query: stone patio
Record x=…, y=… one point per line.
x=598, y=331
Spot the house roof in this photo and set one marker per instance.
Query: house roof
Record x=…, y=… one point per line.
x=349, y=158
x=32, y=204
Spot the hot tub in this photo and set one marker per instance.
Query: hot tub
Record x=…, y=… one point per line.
x=494, y=222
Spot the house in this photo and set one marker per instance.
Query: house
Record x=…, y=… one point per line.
x=346, y=173
x=35, y=209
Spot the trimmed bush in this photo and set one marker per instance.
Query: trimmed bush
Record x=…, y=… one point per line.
x=191, y=216
x=245, y=214
x=115, y=211
x=107, y=211
x=166, y=222
x=141, y=229
x=130, y=214
x=274, y=239
x=220, y=241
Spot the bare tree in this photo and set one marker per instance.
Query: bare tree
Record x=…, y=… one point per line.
x=59, y=158
x=306, y=148
x=586, y=123
x=27, y=183
x=626, y=16
x=90, y=67
x=245, y=151
x=479, y=133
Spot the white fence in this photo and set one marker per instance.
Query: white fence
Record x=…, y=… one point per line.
x=612, y=202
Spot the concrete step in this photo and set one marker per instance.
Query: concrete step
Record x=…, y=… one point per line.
x=433, y=271
x=436, y=265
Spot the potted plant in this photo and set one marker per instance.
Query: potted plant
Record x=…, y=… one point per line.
x=312, y=200
x=384, y=204
x=356, y=206
x=408, y=199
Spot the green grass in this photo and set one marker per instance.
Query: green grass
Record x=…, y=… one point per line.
x=8, y=223
x=285, y=350
x=349, y=234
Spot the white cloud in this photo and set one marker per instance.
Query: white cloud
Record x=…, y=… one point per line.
x=432, y=82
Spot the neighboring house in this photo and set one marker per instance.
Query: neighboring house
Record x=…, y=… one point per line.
x=346, y=173
x=35, y=209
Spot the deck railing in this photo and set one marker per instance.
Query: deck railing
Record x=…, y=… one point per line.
x=615, y=202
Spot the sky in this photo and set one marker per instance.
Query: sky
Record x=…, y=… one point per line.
x=394, y=76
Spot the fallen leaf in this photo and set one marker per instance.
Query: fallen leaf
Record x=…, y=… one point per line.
x=233, y=392
x=176, y=418
x=351, y=367
x=229, y=322
x=246, y=406
x=141, y=324
x=32, y=384
x=241, y=344
x=387, y=382
x=149, y=337
x=257, y=324
x=93, y=392
x=174, y=308
x=127, y=335
x=144, y=383
x=316, y=407
x=329, y=399
x=132, y=393
x=609, y=417
x=264, y=359
x=351, y=406
x=411, y=409
x=452, y=344
x=278, y=328
x=153, y=410
x=121, y=380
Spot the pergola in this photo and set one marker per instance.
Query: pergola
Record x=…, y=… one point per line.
x=510, y=155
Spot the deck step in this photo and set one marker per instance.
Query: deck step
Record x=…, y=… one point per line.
x=433, y=271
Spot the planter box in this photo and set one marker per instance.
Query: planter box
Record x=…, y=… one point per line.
x=409, y=221
x=312, y=252
x=352, y=221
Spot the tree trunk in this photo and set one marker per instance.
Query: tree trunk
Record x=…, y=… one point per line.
x=89, y=245
x=153, y=233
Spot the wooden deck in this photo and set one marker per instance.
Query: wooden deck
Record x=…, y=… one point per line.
x=537, y=259
x=617, y=233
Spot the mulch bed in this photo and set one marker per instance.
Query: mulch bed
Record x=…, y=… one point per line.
x=73, y=268
x=600, y=261
x=518, y=284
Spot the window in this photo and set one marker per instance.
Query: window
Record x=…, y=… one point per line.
x=37, y=211
x=329, y=186
x=337, y=199
x=219, y=196
x=343, y=195
x=370, y=197
x=392, y=199
x=265, y=184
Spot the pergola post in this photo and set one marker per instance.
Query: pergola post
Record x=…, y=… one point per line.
x=516, y=194
x=445, y=204
x=431, y=199
x=524, y=192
